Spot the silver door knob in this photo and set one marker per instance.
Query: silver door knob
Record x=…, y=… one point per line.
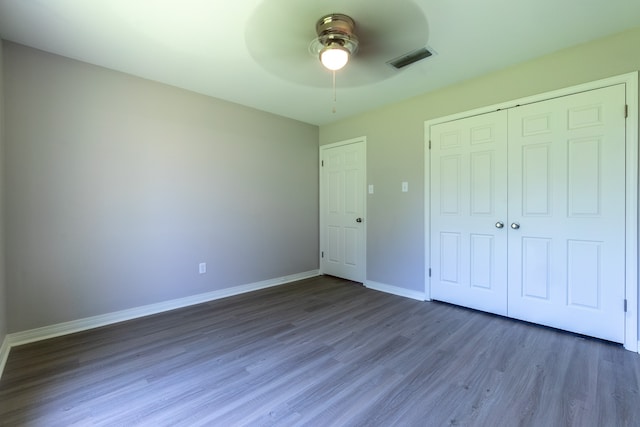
x=499, y=224
x=515, y=225
x=358, y=219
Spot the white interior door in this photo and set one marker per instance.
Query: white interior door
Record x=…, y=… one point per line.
x=469, y=212
x=567, y=196
x=553, y=173
x=342, y=238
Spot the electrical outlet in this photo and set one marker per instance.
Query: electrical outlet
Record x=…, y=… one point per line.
x=202, y=267
x=370, y=188
x=405, y=186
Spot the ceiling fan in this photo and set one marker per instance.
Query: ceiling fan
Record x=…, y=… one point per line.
x=368, y=35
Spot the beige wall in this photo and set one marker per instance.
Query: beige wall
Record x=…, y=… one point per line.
x=3, y=292
x=395, y=144
x=117, y=187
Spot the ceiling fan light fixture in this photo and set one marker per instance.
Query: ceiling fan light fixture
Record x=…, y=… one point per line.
x=334, y=57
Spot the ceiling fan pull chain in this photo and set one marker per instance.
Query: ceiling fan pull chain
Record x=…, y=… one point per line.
x=334, y=91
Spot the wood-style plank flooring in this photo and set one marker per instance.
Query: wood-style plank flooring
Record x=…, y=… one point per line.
x=321, y=352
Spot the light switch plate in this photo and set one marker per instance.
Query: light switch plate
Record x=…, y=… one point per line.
x=405, y=186
x=370, y=188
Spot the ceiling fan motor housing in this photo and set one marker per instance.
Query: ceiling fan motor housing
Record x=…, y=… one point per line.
x=337, y=28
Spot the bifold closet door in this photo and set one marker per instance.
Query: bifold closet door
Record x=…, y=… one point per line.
x=469, y=212
x=567, y=208
x=528, y=212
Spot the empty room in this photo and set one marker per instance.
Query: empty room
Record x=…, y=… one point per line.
x=338, y=213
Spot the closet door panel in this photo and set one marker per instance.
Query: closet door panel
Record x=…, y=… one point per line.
x=468, y=198
x=567, y=208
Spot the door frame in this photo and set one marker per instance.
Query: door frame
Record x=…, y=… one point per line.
x=630, y=80
x=359, y=140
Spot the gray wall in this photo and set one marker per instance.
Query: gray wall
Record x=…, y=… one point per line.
x=117, y=187
x=3, y=291
x=395, y=144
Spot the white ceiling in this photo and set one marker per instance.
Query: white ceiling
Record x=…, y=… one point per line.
x=206, y=45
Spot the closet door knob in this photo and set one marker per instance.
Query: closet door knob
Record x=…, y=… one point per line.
x=499, y=224
x=515, y=225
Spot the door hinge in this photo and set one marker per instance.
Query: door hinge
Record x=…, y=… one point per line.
x=429, y=144
x=626, y=111
x=429, y=272
x=625, y=305
x=322, y=163
x=322, y=254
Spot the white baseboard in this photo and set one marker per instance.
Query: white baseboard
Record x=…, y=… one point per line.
x=396, y=290
x=4, y=354
x=65, y=328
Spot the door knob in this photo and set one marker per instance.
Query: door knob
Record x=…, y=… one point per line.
x=515, y=225
x=499, y=224
x=358, y=219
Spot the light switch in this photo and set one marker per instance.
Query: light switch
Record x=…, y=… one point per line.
x=405, y=186
x=202, y=267
x=370, y=188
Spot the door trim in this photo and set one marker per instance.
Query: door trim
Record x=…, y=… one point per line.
x=630, y=80
x=359, y=140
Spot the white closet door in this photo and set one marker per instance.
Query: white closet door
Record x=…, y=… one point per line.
x=468, y=199
x=567, y=195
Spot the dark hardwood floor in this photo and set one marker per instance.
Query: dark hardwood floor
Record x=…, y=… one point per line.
x=321, y=352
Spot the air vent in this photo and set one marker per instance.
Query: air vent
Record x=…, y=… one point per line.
x=410, y=58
